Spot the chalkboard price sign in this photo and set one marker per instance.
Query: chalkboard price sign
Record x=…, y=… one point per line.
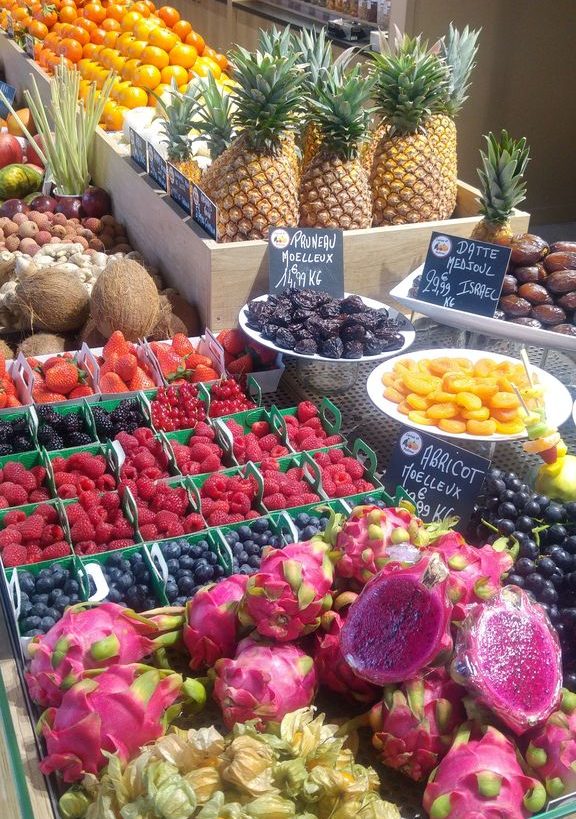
x=179, y=187
x=204, y=212
x=29, y=43
x=10, y=93
x=10, y=25
x=306, y=258
x=463, y=274
x=157, y=167
x=138, y=152
x=442, y=479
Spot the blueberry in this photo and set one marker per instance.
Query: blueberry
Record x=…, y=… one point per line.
x=260, y=525
x=231, y=538
x=314, y=521
x=39, y=609
x=254, y=549
x=171, y=551
x=302, y=520
x=125, y=581
x=183, y=573
x=171, y=591
x=219, y=572
x=515, y=580
x=186, y=585
x=247, y=544
x=534, y=582
x=124, y=565
x=507, y=510
x=275, y=541
x=254, y=561
x=115, y=596
x=546, y=566
x=185, y=547
x=136, y=558
x=62, y=602
x=72, y=587
x=309, y=532
x=204, y=574
x=25, y=607
x=556, y=533
x=187, y=562
x=237, y=549
x=245, y=569
x=46, y=623
x=195, y=552
x=548, y=594
x=172, y=565
x=52, y=612
x=525, y=566
x=31, y=622
x=113, y=574
x=114, y=560
x=505, y=526
x=27, y=582
x=244, y=532
x=260, y=541
x=212, y=558
x=554, y=513
x=532, y=509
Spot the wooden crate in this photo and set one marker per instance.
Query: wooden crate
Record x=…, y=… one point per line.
x=220, y=278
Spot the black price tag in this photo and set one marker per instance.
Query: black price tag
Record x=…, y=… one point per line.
x=443, y=479
x=464, y=274
x=10, y=26
x=138, y=151
x=157, y=167
x=179, y=187
x=307, y=258
x=29, y=43
x=204, y=212
x=10, y=93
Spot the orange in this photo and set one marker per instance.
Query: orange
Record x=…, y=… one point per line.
x=125, y=37
x=111, y=38
x=94, y=12
x=163, y=38
x=111, y=25
x=124, y=42
x=87, y=25
x=176, y=73
x=147, y=76
x=182, y=29
x=79, y=34
x=68, y=14
x=97, y=36
x=38, y=29
x=116, y=120
x=107, y=57
x=118, y=88
x=152, y=55
x=84, y=67
x=141, y=8
x=134, y=49
x=45, y=15
x=70, y=49
x=134, y=97
x=169, y=14
x=115, y=12
x=51, y=40
x=91, y=51
x=151, y=6
x=129, y=69
x=44, y=56
x=129, y=20
x=219, y=59
x=209, y=65
x=143, y=28
x=196, y=40
x=160, y=89
x=184, y=55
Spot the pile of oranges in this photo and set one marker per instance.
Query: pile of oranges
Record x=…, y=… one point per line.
x=148, y=48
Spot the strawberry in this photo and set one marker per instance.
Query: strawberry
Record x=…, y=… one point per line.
x=241, y=365
x=168, y=359
x=109, y=365
x=265, y=355
x=62, y=378
x=2, y=364
x=182, y=345
x=305, y=411
x=141, y=381
x=233, y=341
x=81, y=391
x=203, y=373
x=43, y=396
x=116, y=344
x=126, y=367
x=195, y=359
x=111, y=382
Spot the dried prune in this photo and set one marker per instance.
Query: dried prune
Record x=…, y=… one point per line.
x=284, y=338
x=354, y=349
x=372, y=344
x=330, y=310
x=332, y=348
x=352, y=304
x=352, y=332
x=306, y=346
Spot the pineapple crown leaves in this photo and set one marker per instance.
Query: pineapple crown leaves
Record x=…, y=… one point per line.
x=177, y=122
x=213, y=118
x=316, y=52
x=277, y=42
x=410, y=82
x=502, y=176
x=459, y=50
x=340, y=112
x=268, y=97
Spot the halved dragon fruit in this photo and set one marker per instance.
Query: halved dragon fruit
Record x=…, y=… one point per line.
x=400, y=622
x=508, y=655
x=482, y=779
x=551, y=752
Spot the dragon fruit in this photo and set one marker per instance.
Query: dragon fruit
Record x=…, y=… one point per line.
x=116, y=709
x=332, y=669
x=264, y=682
x=94, y=636
x=371, y=538
x=508, y=655
x=551, y=752
x=414, y=724
x=211, y=628
x=482, y=779
x=287, y=596
x=475, y=573
x=400, y=623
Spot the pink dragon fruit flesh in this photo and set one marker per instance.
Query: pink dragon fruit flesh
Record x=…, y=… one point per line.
x=414, y=724
x=211, y=627
x=264, y=682
x=371, y=538
x=94, y=636
x=287, y=596
x=482, y=779
x=400, y=623
x=117, y=709
x=508, y=655
x=332, y=669
x=551, y=752
x=475, y=573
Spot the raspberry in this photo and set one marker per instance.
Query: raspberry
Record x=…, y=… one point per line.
x=32, y=527
x=331, y=440
x=207, y=505
x=268, y=441
x=203, y=430
x=90, y=499
x=122, y=529
x=15, y=495
x=16, y=472
x=50, y=534
x=142, y=459
x=237, y=518
x=301, y=434
x=34, y=553
x=39, y=473
x=344, y=489
x=13, y=517
x=82, y=530
x=105, y=483
x=306, y=498
x=129, y=472
x=253, y=514
x=14, y=555
x=165, y=519
x=120, y=543
x=145, y=515
x=215, y=486
x=323, y=458
x=127, y=442
x=336, y=455
x=38, y=496
x=149, y=531
x=172, y=500
x=193, y=522
x=103, y=532
x=260, y=428
x=291, y=421
x=3, y=503
x=143, y=435
x=306, y=410
x=210, y=464
x=279, y=451
x=218, y=519
x=199, y=451
x=58, y=549
x=49, y=513
x=363, y=486
x=354, y=468
x=275, y=502
x=92, y=466
x=67, y=490
x=239, y=503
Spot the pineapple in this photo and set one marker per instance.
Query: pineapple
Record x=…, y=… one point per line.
x=254, y=184
x=503, y=186
x=213, y=123
x=459, y=50
x=406, y=170
x=334, y=191
x=316, y=52
x=176, y=126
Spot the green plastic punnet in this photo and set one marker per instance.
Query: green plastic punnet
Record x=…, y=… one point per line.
x=111, y=404
x=203, y=395
x=245, y=420
x=111, y=450
x=29, y=413
x=81, y=408
x=329, y=413
x=217, y=545
x=92, y=567
x=185, y=436
x=247, y=470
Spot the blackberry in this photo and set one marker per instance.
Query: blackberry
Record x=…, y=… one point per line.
x=105, y=427
x=48, y=414
x=79, y=439
x=21, y=443
x=73, y=422
x=50, y=439
x=6, y=449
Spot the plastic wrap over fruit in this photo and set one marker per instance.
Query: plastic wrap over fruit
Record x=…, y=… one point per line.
x=508, y=655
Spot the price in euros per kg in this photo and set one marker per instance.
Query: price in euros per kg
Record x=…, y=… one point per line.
x=438, y=285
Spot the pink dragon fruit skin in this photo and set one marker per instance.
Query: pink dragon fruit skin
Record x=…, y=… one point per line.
x=414, y=724
x=363, y=545
x=482, y=779
x=507, y=654
x=211, y=628
x=264, y=682
x=400, y=623
x=332, y=669
x=551, y=751
x=118, y=709
x=475, y=573
x=89, y=636
x=286, y=597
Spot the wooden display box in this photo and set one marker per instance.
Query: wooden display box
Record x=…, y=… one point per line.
x=220, y=278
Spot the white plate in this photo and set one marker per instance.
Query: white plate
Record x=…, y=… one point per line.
x=480, y=324
x=406, y=330
x=557, y=398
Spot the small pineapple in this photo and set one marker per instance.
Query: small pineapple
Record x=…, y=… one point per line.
x=213, y=122
x=459, y=50
x=503, y=186
x=254, y=184
x=176, y=126
x=334, y=191
x=406, y=170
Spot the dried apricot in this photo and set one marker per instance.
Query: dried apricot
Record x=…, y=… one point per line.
x=419, y=418
x=510, y=427
x=447, y=410
x=487, y=427
x=421, y=385
x=505, y=416
x=457, y=382
x=440, y=366
x=485, y=389
x=440, y=397
x=481, y=414
x=452, y=425
x=404, y=408
x=417, y=402
x=483, y=367
x=504, y=400
x=393, y=395
x=468, y=401
x=388, y=379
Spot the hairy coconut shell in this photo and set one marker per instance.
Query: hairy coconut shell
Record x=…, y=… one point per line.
x=124, y=298
x=168, y=324
x=52, y=299
x=186, y=312
x=44, y=344
x=6, y=350
x=91, y=336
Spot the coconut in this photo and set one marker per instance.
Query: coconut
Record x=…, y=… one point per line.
x=44, y=344
x=124, y=298
x=168, y=323
x=5, y=350
x=186, y=312
x=91, y=336
x=53, y=299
